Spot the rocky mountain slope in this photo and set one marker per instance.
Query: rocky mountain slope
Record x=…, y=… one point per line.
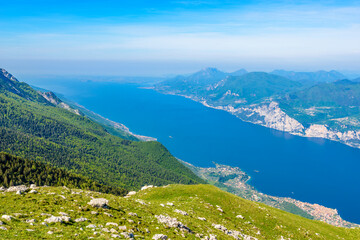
x=170, y=212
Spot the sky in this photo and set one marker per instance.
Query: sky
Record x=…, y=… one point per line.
x=157, y=38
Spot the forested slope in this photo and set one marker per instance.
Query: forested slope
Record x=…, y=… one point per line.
x=33, y=128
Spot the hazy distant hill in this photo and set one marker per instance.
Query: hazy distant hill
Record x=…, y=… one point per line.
x=319, y=76
x=251, y=87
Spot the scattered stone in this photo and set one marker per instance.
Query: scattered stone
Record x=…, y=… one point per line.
x=19, y=192
x=202, y=218
x=45, y=214
x=63, y=214
x=94, y=213
x=181, y=212
x=171, y=222
x=108, y=214
x=115, y=236
x=54, y=219
x=160, y=237
x=140, y=201
x=170, y=204
x=220, y=227
x=63, y=197
x=91, y=226
x=2, y=189
x=33, y=191
x=44, y=223
x=132, y=193
x=31, y=220
x=105, y=230
x=147, y=187
x=131, y=221
x=21, y=188
x=1, y=223
x=3, y=228
x=127, y=235
x=7, y=217
x=30, y=230
x=240, y=216
x=132, y=214
x=50, y=232
x=99, y=202
x=32, y=186
x=82, y=219
x=111, y=224
x=66, y=218
x=113, y=230
x=122, y=228
x=162, y=205
x=212, y=237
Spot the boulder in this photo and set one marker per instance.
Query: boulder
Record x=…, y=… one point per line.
x=132, y=193
x=21, y=188
x=99, y=202
x=146, y=187
x=82, y=219
x=54, y=219
x=160, y=237
x=111, y=224
x=122, y=228
x=7, y=217
x=181, y=212
x=32, y=186
x=171, y=222
x=3, y=228
x=91, y=226
x=33, y=191
x=127, y=235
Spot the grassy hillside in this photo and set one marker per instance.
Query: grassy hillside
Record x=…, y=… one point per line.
x=33, y=128
x=17, y=171
x=140, y=213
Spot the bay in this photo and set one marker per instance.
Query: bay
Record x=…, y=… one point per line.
x=308, y=169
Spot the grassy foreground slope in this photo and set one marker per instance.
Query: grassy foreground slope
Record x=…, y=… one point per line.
x=140, y=214
x=32, y=127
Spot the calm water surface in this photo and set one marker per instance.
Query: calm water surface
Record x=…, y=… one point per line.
x=311, y=170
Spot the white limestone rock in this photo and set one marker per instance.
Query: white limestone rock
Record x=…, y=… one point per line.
x=160, y=237
x=99, y=202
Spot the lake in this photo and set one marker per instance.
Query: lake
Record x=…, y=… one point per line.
x=311, y=170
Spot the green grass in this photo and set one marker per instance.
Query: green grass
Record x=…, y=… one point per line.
x=196, y=200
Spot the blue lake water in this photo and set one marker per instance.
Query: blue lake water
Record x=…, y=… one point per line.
x=311, y=170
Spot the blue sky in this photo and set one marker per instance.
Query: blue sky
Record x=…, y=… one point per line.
x=161, y=37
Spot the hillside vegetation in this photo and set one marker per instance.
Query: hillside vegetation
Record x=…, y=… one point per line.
x=177, y=211
x=17, y=171
x=32, y=127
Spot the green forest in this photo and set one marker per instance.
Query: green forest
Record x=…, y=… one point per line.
x=16, y=171
x=32, y=128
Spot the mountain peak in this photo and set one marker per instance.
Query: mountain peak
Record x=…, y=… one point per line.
x=210, y=70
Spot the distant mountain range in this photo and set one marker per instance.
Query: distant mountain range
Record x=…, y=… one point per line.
x=313, y=104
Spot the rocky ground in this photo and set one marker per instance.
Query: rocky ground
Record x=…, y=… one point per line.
x=171, y=212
